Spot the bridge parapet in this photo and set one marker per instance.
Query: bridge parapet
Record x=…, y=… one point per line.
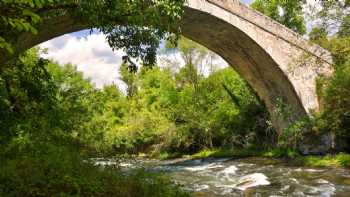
x=269, y=25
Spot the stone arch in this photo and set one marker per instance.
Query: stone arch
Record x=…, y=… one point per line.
x=262, y=51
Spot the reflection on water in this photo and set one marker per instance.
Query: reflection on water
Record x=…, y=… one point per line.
x=248, y=177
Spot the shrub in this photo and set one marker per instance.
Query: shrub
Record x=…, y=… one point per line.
x=60, y=171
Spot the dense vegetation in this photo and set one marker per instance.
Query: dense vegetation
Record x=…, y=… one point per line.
x=334, y=34
x=53, y=120
x=44, y=107
x=44, y=110
x=179, y=111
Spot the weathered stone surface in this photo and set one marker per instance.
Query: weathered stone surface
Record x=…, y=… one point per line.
x=279, y=64
x=317, y=144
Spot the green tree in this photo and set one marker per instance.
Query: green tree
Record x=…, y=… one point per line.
x=17, y=17
x=289, y=13
x=130, y=79
x=333, y=34
x=334, y=15
x=27, y=91
x=196, y=58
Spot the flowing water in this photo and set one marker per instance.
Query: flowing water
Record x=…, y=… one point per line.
x=248, y=177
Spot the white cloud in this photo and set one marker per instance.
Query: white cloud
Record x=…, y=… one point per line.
x=93, y=56
x=90, y=53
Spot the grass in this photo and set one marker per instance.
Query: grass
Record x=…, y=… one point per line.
x=59, y=171
x=217, y=153
x=338, y=160
x=221, y=152
x=167, y=155
x=280, y=153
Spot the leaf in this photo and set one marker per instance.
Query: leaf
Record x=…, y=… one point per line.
x=38, y=3
x=33, y=30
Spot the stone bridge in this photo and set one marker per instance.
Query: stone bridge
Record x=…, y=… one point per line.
x=280, y=65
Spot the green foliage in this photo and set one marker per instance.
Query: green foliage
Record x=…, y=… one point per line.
x=280, y=153
x=212, y=153
x=341, y=159
x=289, y=13
x=80, y=121
x=188, y=112
x=183, y=111
x=292, y=156
x=283, y=109
x=337, y=99
x=51, y=124
x=61, y=171
x=27, y=90
x=192, y=52
x=247, y=152
x=167, y=155
x=129, y=79
x=332, y=34
x=18, y=17
x=148, y=22
x=208, y=117
x=294, y=133
x=160, y=17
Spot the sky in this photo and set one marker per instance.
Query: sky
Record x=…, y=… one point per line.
x=90, y=53
x=246, y=1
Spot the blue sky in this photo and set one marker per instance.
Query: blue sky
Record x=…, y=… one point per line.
x=246, y=1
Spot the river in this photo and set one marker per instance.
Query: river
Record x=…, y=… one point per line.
x=246, y=177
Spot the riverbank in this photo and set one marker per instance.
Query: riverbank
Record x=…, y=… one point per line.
x=63, y=171
x=334, y=160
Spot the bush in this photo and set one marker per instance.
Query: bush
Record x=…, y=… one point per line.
x=336, y=115
x=60, y=171
x=294, y=133
x=280, y=153
x=343, y=159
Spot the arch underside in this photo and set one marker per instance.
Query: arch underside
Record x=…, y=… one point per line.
x=246, y=56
